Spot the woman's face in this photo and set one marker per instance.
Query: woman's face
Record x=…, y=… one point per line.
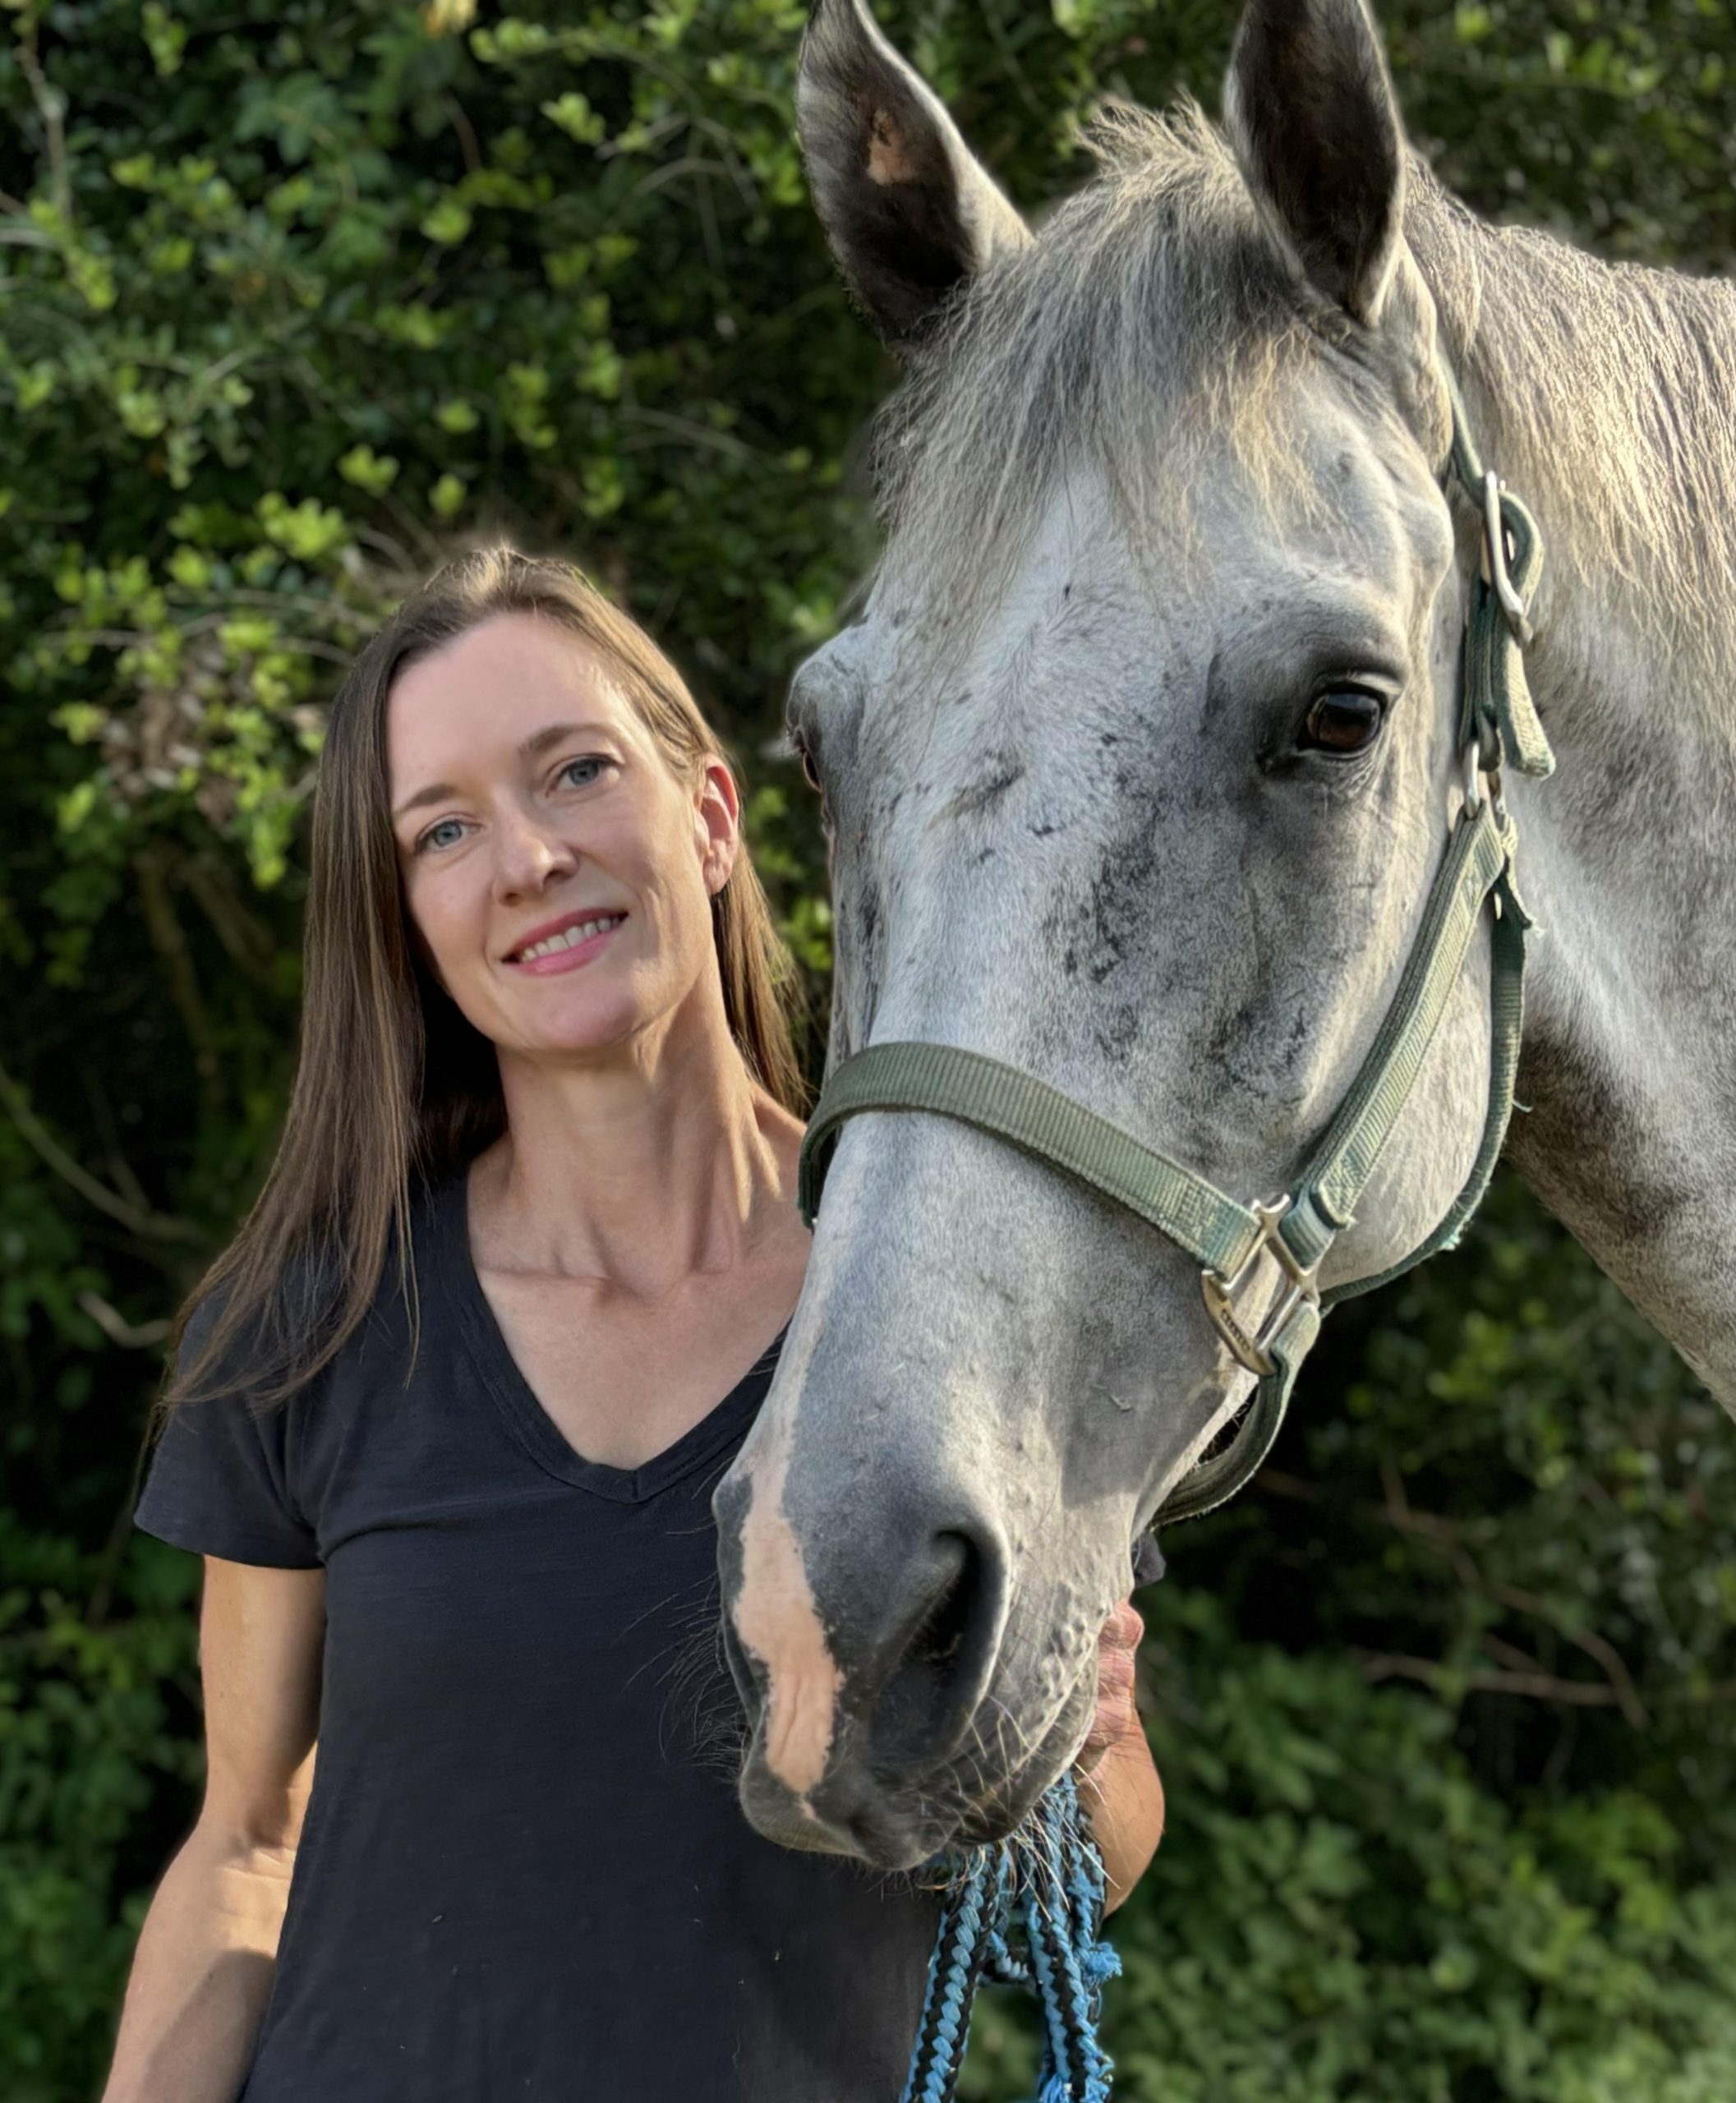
x=559, y=873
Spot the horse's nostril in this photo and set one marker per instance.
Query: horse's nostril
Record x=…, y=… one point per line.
x=942, y=1633
x=931, y=1695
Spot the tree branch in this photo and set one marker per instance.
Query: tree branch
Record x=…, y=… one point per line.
x=169, y=940
x=1447, y=1539
x=154, y=1226
x=245, y=941
x=51, y=106
x=131, y=1336
x=467, y=133
x=119, y=1167
x=1595, y=1647
x=1485, y=1679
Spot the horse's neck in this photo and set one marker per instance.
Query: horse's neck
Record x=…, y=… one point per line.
x=1604, y=397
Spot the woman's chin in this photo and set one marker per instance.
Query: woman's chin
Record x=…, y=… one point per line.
x=585, y=1015
x=587, y=1030
x=590, y=1044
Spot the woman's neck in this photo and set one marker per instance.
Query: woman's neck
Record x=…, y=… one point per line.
x=638, y=1170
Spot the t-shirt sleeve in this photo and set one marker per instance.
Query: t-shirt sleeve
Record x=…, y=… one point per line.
x=218, y=1480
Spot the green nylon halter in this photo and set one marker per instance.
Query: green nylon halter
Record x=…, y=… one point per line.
x=1498, y=725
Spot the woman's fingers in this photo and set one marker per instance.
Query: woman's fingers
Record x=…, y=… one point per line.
x=1117, y=1656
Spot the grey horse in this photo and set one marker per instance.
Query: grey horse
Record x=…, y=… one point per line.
x=1137, y=767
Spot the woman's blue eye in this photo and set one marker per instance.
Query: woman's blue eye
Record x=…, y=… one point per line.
x=595, y=761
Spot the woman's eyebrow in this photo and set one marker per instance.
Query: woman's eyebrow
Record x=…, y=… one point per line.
x=539, y=741
x=531, y=748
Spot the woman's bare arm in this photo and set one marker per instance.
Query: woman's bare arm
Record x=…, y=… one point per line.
x=201, y=1973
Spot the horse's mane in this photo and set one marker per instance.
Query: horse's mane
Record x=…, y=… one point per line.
x=1614, y=385
x=1153, y=315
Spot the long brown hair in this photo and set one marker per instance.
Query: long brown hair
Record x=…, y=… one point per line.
x=393, y=1085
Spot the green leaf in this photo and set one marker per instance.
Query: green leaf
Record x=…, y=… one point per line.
x=448, y=222
x=576, y=117
x=368, y=470
x=166, y=37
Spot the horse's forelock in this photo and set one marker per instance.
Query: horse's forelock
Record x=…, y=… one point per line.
x=1152, y=317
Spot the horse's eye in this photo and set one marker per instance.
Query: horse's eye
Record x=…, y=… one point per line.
x=808, y=768
x=1344, y=721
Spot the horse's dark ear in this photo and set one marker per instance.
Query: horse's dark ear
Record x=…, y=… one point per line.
x=1311, y=112
x=908, y=210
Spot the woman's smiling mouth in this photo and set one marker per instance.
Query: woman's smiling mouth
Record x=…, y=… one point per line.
x=569, y=943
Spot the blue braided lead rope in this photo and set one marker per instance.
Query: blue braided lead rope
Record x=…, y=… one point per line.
x=1026, y=1911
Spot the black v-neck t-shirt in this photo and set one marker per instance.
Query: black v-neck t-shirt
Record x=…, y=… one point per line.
x=523, y=1873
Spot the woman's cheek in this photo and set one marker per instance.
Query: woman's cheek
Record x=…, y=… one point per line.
x=445, y=945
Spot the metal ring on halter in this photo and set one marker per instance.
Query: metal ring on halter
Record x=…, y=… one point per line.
x=1473, y=782
x=1494, y=531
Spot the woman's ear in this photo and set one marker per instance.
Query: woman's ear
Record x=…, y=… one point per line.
x=717, y=824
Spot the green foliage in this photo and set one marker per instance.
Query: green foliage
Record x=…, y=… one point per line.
x=333, y=286
x=1342, y=1912
x=1346, y=1913
x=295, y=300
x=95, y=1711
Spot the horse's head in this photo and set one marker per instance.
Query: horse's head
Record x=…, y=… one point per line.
x=1138, y=767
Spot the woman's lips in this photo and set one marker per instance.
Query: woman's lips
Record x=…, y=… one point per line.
x=569, y=958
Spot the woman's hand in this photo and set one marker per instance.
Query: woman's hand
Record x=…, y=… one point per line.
x=1118, y=1783
x=1118, y=1661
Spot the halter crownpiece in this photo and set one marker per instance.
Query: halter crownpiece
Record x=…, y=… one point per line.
x=1499, y=725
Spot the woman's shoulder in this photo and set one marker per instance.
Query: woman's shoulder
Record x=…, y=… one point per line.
x=291, y=1330
x=283, y=1422
x=324, y=1279
x=266, y=1345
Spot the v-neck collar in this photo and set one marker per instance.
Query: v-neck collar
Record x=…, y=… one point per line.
x=526, y=1418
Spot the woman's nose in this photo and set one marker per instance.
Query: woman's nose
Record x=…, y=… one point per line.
x=527, y=852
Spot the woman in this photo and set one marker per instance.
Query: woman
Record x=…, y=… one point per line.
x=446, y=1421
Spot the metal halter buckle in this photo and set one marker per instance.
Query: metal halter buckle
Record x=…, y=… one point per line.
x=1255, y=1351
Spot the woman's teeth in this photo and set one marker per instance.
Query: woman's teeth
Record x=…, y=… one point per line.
x=569, y=937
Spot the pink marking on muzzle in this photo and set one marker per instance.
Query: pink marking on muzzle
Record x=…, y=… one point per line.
x=776, y=1618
